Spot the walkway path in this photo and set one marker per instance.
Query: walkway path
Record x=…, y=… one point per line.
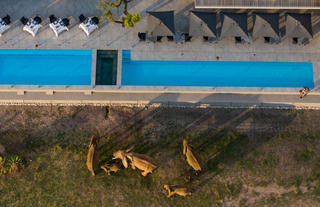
x=166, y=99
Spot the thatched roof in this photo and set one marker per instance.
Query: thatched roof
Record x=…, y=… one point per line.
x=234, y=25
x=160, y=23
x=298, y=25
x=203, y=24
x=266, y=25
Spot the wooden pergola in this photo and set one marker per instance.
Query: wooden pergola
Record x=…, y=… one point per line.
x=257, y=4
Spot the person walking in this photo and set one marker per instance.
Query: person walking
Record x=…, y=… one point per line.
x=304, y=91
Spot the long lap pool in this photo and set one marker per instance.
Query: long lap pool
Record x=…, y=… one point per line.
x=215, y=73
x=45, y=67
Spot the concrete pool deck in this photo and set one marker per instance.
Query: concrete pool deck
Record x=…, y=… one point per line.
x=112, y=36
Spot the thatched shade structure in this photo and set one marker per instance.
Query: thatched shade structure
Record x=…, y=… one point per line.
x=160, y=23
x=298, y=25
x=203, y=24
x=234, y=25
x=266, y=25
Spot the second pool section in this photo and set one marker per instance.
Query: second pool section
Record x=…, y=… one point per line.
x=215, y=73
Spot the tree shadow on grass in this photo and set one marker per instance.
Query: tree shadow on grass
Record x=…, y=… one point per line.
x=226, y=146
x=33, y=131
x=221, y=136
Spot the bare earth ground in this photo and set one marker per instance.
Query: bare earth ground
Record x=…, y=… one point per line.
x=251, y=157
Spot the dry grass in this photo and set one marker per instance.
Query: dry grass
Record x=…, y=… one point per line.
x=250, y=157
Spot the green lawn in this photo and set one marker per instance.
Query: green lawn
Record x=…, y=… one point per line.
x=250, y=157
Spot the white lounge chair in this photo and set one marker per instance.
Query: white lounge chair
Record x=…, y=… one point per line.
x=58, y=26
x=88, y=26
x=32, y=27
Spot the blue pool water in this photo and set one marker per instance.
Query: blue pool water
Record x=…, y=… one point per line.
x=45, y=67
x=215, y=74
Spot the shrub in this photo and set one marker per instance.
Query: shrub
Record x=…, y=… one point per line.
x=305, y=156
x=11, y=164
x=127, y=20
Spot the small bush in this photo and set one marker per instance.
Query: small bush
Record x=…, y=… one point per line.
x=108, y=7
x=316, y=190
x=296, y=181
x=246, y=164
x=235, y=189
x=270, y=161
x=243, y=202
x=305, y=156
x=131, y=20
x=11, y=164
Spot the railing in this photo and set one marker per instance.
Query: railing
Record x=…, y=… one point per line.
x=259, y=4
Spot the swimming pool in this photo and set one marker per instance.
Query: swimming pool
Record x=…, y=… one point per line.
x=45, y=67
x=215, y=73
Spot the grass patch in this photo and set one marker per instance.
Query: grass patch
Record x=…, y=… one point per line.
x=243, y=202
x=54, y=142
x=297, y=181
x=304, y=156
x=247, y=164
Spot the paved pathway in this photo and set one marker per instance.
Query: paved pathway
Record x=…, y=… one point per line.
x=166, y=99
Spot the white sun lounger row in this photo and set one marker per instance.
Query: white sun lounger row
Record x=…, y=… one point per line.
x=58, y=25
